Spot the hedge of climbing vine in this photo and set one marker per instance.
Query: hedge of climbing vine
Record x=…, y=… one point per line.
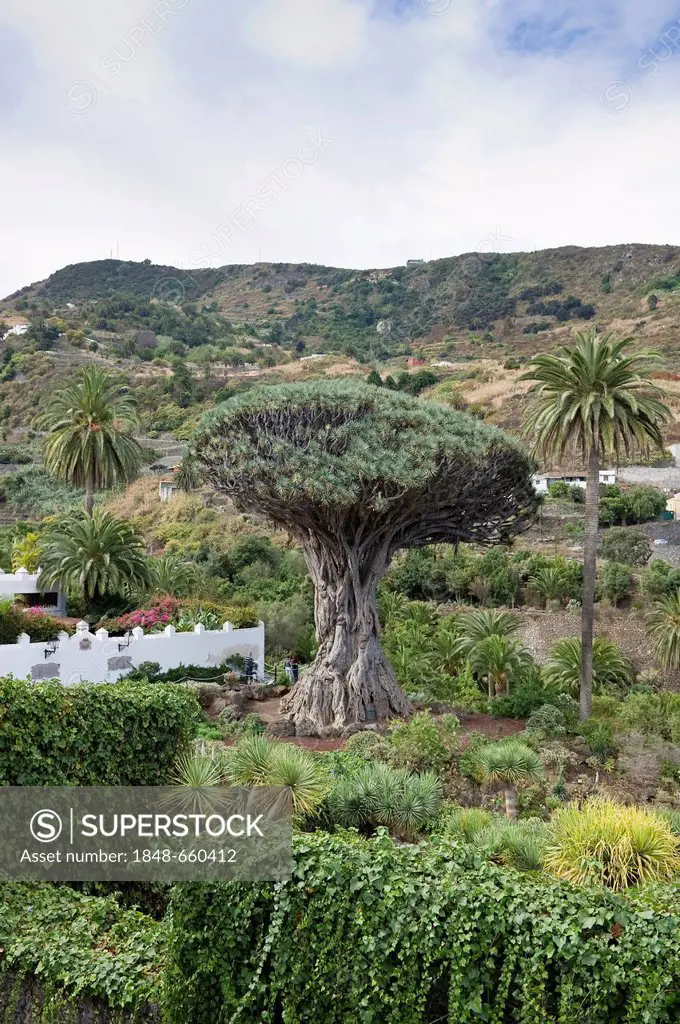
x=375, y=933
x=78, y=951
x=118, y=734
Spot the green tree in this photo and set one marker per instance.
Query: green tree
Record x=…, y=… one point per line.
x=593, y=399
x=617, y=582
x=89, y=441
x=181, y=385
x=645, y=502
x=26, y=552
x=611, y=667
x=631, y=547
x=512, y=763
x=96, y=554
x=188, y=476
x=482, y=623
x=664, y=629
x=355, y=473
x=497, y=659
x=172, y=574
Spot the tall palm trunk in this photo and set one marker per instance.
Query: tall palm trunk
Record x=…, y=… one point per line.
x=89, y=496
x=589, y=569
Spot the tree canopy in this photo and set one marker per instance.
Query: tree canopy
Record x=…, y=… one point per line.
x=342, y=456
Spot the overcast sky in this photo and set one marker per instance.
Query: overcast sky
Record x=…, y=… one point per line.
x=355, y=133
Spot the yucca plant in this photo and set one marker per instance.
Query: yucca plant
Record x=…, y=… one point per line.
x=511, y=763
x=257, y=761
x=249, y=762
x=418, y=802
x=379, y=795
x=610, y=666
x=198, y=769
x=612, y=845
x=664, y=630
x=464, y=823
x=300, y=772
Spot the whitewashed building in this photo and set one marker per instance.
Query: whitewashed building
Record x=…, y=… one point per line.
x=542, y=481
x=24, y=585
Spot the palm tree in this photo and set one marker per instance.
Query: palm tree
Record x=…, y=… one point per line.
x=484, y=622
x=664, y=629
x=97, y=554
x=188, y=476
x=498, y=659
x=595, y=400
x=89, y=441
x=172, y=574
x=549, y=581
x=611, y=667
x=512, y=763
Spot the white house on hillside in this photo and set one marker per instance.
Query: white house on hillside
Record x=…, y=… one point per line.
x=24, y=585
x=542, y=481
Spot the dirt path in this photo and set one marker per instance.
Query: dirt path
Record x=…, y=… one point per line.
x=487, y=725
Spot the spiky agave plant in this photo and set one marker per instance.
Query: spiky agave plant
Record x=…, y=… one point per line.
x=418, y=802
x=249, y=762
x=616, y=846
x=511, y=763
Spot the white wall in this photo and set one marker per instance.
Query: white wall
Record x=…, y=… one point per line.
x=99, y=658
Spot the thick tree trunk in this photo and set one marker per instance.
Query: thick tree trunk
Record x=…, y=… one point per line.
x=511, y=803
x=350, y=680
x=589, y=569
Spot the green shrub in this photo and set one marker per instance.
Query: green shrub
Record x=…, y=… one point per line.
x=653, y=713
x=424, y=742
x=600, y=738
x=560, y=489
x=660, y=579
x=121, y=734
x=617, y=582
x=547, y=722
x=398, y=934
x=526, y=697
x=610, y=844
x=628, y=546
x=78, y=946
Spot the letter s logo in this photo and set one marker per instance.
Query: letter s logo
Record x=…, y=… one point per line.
x=45, y=826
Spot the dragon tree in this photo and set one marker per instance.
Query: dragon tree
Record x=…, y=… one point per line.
x=355, y=473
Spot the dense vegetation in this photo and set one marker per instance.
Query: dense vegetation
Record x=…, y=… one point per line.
x=117, y=735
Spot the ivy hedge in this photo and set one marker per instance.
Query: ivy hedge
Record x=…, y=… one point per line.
x=371, y=932
x=118, y=734
x=62, y=953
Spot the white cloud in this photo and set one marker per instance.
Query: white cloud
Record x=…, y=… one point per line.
x=443, y=134
x=308, y=33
